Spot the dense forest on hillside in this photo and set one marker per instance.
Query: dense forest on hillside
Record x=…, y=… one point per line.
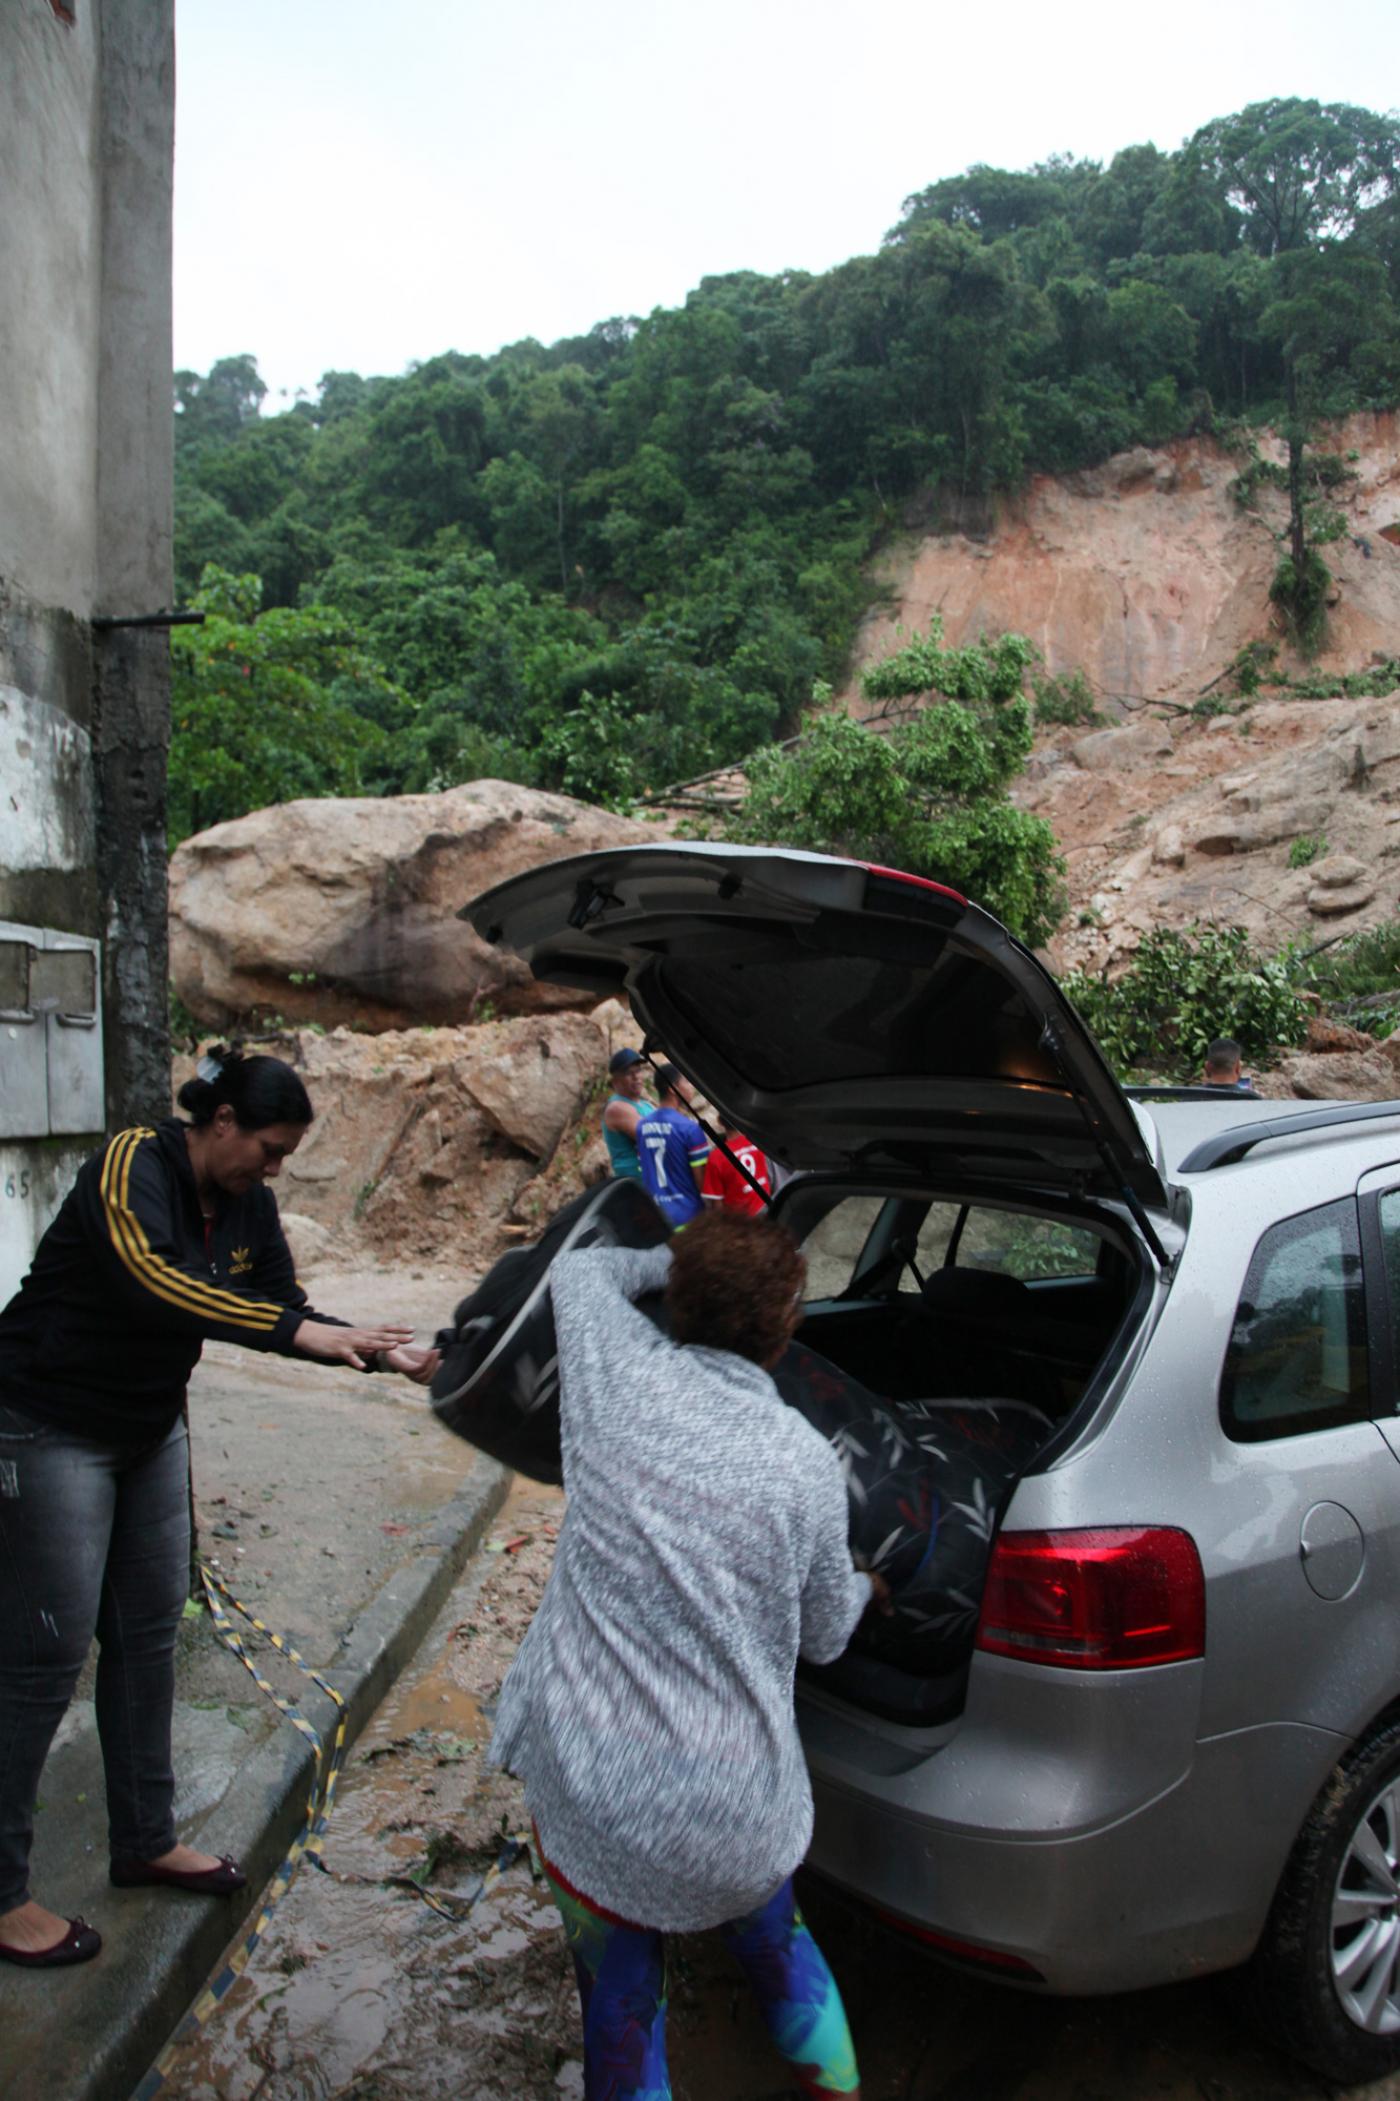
x=609, y=563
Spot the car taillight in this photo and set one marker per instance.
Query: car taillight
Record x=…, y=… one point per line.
x=1111, y=1599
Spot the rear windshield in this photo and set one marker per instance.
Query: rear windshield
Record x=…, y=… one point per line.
x=859, y=1244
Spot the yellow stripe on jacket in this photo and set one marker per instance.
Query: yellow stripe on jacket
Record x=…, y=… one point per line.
x=151, y=1271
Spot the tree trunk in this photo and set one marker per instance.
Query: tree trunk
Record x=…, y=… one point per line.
x=559, y=529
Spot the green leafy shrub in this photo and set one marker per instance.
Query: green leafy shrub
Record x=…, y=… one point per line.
x=586, y=753
x=1301, y=596
x=1066, y=700
x=928, y=795
x=1377, y=682
x=1254, y=666
x=1182, y=989
x=1307, y=849
x=266, y=706
x=1358, y=979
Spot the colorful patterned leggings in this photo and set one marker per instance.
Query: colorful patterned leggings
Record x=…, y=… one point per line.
x=621, y=1971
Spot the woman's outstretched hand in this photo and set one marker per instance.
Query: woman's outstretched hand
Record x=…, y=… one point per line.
x=318, y=1338
x=414, y=1359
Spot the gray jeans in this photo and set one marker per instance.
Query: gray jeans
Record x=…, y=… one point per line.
x=94, y=1539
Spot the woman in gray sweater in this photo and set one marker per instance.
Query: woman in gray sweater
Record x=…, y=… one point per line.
x=649, y=1710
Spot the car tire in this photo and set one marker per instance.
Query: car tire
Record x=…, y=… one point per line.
x=1324, y=1983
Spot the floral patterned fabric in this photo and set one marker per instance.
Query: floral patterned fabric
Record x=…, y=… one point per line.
x=927, y=1481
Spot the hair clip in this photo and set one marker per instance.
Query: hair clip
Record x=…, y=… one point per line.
x=208, y=1068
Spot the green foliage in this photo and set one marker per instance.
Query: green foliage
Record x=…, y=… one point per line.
x=987, y=670
x=1310, y=847
x=675, y=515
x=1181, y=990
x=1357, y=979
x=265, y=706
x=1297, y=171
x=1376, y=682
x=1066, y=701
x=585, y=753
x=1300, y=593
x=1254, y=666
x=928, y=795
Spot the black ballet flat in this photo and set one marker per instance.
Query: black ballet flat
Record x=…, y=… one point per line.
x=79, y=1944
x=221, y=1880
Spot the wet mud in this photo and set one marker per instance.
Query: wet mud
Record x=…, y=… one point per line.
x=360, y=1992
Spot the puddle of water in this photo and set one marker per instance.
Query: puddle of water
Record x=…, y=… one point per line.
x=436, y=1703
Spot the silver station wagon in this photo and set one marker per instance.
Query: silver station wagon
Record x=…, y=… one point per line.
x=1171, y=1743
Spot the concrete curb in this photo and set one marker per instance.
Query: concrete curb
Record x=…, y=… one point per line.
x=96, y=2044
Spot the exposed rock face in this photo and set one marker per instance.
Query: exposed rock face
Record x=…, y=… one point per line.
x=1136, y=746
x=1332, y=1076
x=1145, y=573
x=1207, y=831
x=345, y=910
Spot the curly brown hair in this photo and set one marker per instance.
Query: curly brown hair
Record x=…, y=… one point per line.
x=734, y=1284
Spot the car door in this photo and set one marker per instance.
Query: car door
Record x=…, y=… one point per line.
x=1378, y=1201
x=1302, y=1539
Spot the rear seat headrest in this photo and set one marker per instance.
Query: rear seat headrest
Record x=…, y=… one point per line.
x=977, y=1291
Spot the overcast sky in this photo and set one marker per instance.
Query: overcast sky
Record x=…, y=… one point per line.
x=359, y=185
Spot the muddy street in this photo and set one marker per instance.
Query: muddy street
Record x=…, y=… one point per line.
x=361, y=1992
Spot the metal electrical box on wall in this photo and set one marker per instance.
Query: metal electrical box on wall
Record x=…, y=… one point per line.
x=51, y=1078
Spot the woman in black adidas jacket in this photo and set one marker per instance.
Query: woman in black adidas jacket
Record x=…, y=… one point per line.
x=168, y=1237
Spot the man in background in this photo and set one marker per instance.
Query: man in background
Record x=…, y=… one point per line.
x=1222, y=1067
x=726, y=1189
x=623, y=1111
x=673, y=1150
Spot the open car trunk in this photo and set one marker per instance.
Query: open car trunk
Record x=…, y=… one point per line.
x=888, y=1039
x=947, y=1349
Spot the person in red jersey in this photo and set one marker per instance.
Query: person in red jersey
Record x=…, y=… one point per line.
x=726, y=1188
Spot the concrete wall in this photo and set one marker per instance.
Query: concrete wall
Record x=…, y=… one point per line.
x=86, y=156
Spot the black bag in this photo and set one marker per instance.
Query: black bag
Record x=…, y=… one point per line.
x=498, y=1383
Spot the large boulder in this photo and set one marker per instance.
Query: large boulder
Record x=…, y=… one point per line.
x=345, y=910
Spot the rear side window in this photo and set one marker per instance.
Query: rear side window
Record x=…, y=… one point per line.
x=1026, y=1248
x=1297, y=1355
x=834, y=1244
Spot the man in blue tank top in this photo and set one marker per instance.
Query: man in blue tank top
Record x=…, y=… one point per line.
x=622, y=1111
x=673, y=1150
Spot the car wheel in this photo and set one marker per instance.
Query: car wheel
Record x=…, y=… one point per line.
x=1325, y=1981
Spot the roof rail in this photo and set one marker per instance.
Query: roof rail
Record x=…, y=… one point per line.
x=1226, y=1147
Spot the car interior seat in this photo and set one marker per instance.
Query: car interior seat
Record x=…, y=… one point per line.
x=979, y=1324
